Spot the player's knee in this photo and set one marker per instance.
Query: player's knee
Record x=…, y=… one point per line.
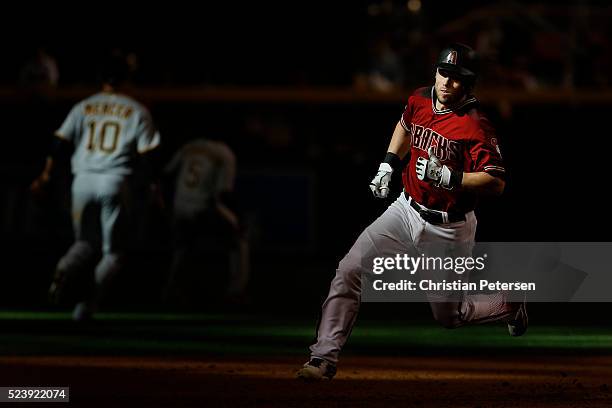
x=348, y=277
x=348, y=269
x=64, y=266
x=78, y=257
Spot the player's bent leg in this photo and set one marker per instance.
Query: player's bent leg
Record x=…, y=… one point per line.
x=456, y=309
x=113, y=195
x=488, y=308
x=73, y=265
x=479, y=309
x=105, y=271
x=107, y=268
x=339, y=311
x=386, y=236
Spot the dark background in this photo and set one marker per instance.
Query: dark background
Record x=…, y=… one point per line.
x=295, y=90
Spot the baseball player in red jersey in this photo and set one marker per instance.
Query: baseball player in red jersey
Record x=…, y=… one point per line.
x=454, y=158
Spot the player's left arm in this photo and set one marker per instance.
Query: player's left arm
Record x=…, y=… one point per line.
x=61, y=147
x=60, y=150
x=226, y=201
x=483, y=183
x=400, y=141
x=480, y=182
x=486, y=172
x=148, y=146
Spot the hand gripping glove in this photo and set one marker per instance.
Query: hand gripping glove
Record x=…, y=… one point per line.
x=433, y=171
x=380, y=183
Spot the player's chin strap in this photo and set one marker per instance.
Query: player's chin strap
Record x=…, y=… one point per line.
x=440, y=175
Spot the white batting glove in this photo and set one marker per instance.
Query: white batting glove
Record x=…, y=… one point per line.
x=432, y=170
x=380, y=183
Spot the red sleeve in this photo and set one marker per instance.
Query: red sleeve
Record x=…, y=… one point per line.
x=406, y=118
x=484, y=150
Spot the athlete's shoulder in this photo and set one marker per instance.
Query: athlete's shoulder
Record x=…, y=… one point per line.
x=134, y=104
x=423, y=92
x=222, y=149
x=77, y=108
x=127, y=99
x=419, y=97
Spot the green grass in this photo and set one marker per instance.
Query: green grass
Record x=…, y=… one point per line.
x=38, y=333
x=29, y=315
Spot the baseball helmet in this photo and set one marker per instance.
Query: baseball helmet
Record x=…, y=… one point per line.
x=460, y=60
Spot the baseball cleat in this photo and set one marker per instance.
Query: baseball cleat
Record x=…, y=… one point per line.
x=82, y=312
x=517, y=326
x=317, y=369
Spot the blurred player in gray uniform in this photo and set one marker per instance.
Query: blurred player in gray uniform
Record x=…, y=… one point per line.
x=108, y=135
x=204, y=205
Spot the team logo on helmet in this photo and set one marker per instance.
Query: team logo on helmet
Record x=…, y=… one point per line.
x=451, y=58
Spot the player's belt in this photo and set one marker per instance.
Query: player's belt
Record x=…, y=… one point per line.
x=433, y=216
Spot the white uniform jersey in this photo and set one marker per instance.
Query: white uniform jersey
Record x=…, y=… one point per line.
x=108, y=131
x=205, y=169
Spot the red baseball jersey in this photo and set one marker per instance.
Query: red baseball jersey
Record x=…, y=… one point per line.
x=463, y=139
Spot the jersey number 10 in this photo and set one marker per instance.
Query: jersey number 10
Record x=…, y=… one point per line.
x=106, y=139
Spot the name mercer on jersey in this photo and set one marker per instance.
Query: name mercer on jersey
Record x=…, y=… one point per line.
x=110, y=109
x=423, y=138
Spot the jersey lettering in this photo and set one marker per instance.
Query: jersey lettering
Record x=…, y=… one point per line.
x=424, y=138
x=106, y=139
x=109, y=109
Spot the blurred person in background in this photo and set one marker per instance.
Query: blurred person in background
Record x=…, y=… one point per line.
x=206, y=222
x=40, y=70
x=108, y=137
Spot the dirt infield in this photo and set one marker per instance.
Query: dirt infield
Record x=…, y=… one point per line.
x=361, y=382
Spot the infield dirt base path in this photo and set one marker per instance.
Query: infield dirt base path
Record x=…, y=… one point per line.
x=516, y=381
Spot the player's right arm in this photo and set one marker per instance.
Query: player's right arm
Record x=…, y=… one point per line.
x=226, y=202
x=400, y=141
x=397, y=150
x=42, y=180
x=60, y=147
